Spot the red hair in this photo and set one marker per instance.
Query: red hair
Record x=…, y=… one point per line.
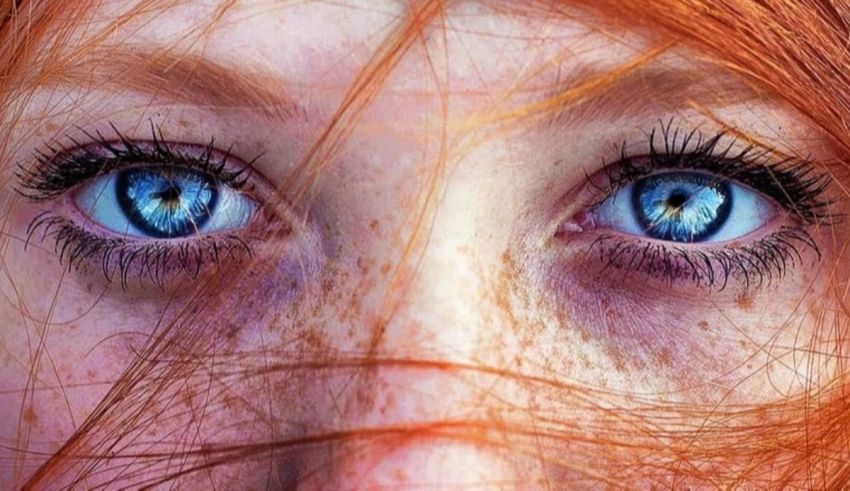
x=795, y=50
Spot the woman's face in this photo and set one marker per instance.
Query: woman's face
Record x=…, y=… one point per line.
x=498, y=250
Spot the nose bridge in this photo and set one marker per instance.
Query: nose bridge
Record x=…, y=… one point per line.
x=424, y=360
x=445, y=303
x=421, y=412
x=445, y=327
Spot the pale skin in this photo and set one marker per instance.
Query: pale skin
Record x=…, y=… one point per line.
x=424, y=245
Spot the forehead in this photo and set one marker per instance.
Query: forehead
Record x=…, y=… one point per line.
x=324, y=44
x=309, y=54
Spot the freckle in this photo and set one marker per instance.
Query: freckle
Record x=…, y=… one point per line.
x=385, y=268
x=364, y=264
x=30, y=416
x=619, y=363
x=745, y=302
x=232, y=332
x=703, y=325
x=389, y=403
x=188, y=395
x=314, y=340
x=466, y=250
x=664, y=357
x=401, y=475
x=374, y=225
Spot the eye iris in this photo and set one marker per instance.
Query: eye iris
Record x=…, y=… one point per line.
x=682, y=206
x=166, y=202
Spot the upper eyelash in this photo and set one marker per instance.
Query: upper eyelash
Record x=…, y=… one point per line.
x=61, y=168
x=794, y=183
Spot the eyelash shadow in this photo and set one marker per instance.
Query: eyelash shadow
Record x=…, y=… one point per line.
x=760, y=263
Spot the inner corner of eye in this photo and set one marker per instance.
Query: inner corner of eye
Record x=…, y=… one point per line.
x=583, y=221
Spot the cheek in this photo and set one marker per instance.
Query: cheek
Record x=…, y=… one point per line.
x=66, y=339
x=699, y=344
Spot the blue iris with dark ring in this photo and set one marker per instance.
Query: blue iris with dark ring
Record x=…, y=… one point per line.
x=166, y=202
x=681, y=206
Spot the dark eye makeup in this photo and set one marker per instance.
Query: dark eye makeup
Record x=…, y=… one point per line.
x=161, y=209
x=675, y=221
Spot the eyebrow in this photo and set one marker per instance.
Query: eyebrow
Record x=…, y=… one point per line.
x=589, y=93
x=643, y=86
x=188, y=79
x=652, y=89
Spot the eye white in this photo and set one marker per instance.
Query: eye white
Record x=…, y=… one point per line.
x=98, y=200
x=750, y=212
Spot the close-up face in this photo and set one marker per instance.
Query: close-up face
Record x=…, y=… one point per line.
x=367, y=244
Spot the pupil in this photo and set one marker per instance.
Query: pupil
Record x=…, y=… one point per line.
x=170, y=195
x=677, y=199
x=681, y=206
x=166, y=202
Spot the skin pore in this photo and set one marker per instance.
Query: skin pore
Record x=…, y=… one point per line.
x=408, y=314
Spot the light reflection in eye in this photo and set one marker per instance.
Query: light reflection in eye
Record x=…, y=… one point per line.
x=686, y=207
x=163, y=202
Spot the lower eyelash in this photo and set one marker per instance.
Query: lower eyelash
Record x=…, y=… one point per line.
x=158, y=262
x=752, y=265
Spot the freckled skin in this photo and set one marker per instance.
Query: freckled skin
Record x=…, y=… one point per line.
x=392, y=336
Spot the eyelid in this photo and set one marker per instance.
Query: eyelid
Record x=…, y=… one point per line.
x=798, y=191
x=82, y=244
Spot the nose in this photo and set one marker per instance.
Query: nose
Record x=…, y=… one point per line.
x=425, y=404
x=416, y=427
x=424, y=408
x=411, y=462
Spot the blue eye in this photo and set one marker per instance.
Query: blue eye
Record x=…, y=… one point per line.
x=686, y=207
x=164, y=203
